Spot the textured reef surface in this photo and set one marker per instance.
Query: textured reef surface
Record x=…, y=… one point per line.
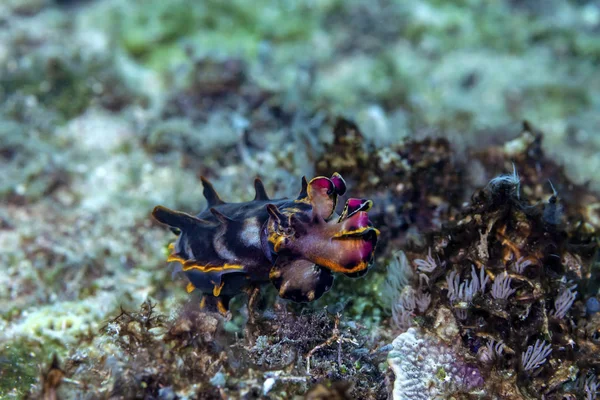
x=483, y=284
x=504, y=291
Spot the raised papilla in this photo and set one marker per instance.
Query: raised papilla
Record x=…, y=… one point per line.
x=231, y=248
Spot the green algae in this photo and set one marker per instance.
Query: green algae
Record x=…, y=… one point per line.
x=359, y=300
x=66, y=84
x=18, y=371
x=21, y=363
x=160, y=34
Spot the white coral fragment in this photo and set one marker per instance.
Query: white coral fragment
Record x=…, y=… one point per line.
x=427, y=368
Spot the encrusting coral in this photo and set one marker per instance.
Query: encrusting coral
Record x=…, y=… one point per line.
x=426, y=367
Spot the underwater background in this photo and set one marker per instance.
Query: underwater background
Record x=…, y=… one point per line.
x=474, y=126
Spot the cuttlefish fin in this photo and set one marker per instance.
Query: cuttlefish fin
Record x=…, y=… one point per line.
x=176, y=219
x=259, y=188
x=210, y=194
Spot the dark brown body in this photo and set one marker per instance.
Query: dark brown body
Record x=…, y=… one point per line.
x=296, y=244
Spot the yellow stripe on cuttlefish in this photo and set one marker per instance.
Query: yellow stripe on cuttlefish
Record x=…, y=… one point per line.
x=213, y=268
x=217, y=289
x=175, y=257
x=355, y=232
x=221, y=307
x=203, y=268
x=336, y=267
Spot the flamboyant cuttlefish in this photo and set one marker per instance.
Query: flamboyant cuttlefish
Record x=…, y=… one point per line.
x=231, y=248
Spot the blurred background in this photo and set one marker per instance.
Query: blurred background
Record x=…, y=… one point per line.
x=110, y=107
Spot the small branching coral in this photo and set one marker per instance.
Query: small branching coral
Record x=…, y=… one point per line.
x=501, y=289
x=465, y=291
x=458, y=291
x=491, y=351
x=406, y=301
x=428, y=264
x=396, y=288
x=403, y=310
x=564, y=301
x=536, y=355
x=398, y=275
x=422, y=300
x=521, y=264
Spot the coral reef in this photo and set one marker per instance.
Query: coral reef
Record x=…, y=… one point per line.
x=525, y=326
x=108, y=108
